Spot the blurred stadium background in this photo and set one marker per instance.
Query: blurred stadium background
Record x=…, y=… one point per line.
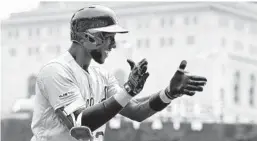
x=217, y=39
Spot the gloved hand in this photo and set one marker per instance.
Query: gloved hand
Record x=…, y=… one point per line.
x=181, y=83
x=137, y=77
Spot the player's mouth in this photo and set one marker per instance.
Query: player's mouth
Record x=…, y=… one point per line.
x=107, y=51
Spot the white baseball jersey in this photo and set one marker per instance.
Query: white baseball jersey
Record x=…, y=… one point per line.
x=63, y=82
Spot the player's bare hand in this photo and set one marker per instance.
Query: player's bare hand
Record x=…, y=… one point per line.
x=181, y=83
x=137, y=77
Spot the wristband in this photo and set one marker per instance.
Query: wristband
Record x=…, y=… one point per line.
x=173, y=96
x=122, y=97
x=164, y=97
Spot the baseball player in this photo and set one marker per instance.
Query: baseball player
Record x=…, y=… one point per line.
x=74, y=100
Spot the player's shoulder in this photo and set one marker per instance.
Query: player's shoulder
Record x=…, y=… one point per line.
x=50, y=69
x=56, y=66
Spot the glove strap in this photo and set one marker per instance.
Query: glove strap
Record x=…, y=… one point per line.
x=129, y=90
x=171, y=96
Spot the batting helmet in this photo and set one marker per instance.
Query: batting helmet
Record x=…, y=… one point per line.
x=94, y=19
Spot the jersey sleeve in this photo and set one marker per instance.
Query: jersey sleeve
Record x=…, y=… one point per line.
x=57, y=85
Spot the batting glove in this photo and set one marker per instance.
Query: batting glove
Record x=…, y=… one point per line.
x=181, y=83
x=137, y=77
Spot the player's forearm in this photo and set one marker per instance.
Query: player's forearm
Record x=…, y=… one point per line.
x=99, y=114
x=143, y=108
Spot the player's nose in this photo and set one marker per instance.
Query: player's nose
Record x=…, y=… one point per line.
x=113, y=43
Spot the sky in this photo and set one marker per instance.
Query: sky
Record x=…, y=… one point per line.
x=14, y=6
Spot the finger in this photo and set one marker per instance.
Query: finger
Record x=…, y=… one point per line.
x=187, y=92
x=193, y=88
x=143, y=79
x=198, y=78
x=131, y=63
x=146, y=75
x=196, y=83
x=183, y=64
x=143, y=69
x=143, y=62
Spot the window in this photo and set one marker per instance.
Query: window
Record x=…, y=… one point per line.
x=31, y=85
x=223, y=69
x=223, y=22
x=222, y=101
x=195, y=19
x=166, y=41
x=222, y=95
x=37, y=50
x=139, y=25
x=186, y=20
x=33, y=50
x=50, y=31
x=239, y=25
x=12, y=51
x=253, y=29
x=223, y=42
x=237, y=118
x=238, y=46
x=253, y=50
x=148, y=23
x=29, y=51
x=236, y=86
x=17, y=33
x=38, y=31
x=57, y=30
x=162, y=22
x=190, y=40
x=30, y=32
x=138, y=43
x=190, y=20
x=171, y=40
x=252, y=90
x=162, y=41
x=172, y=21
x=58, y=49
x=147, y=43
x=143, y=43
x=9, y=34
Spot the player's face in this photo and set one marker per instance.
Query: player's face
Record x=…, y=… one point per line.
x=100, y=54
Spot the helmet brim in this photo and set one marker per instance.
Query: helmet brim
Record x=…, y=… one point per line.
x=110, y=29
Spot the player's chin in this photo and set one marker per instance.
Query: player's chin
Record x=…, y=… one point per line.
x=98, y=56
x=100, y=60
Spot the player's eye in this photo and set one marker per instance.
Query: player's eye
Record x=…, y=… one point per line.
x=91, y=39
x=108, y=35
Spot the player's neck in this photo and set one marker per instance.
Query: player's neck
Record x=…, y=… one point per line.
x=79, y=55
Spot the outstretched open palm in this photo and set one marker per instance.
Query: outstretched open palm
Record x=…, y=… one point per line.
x=181, y=83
